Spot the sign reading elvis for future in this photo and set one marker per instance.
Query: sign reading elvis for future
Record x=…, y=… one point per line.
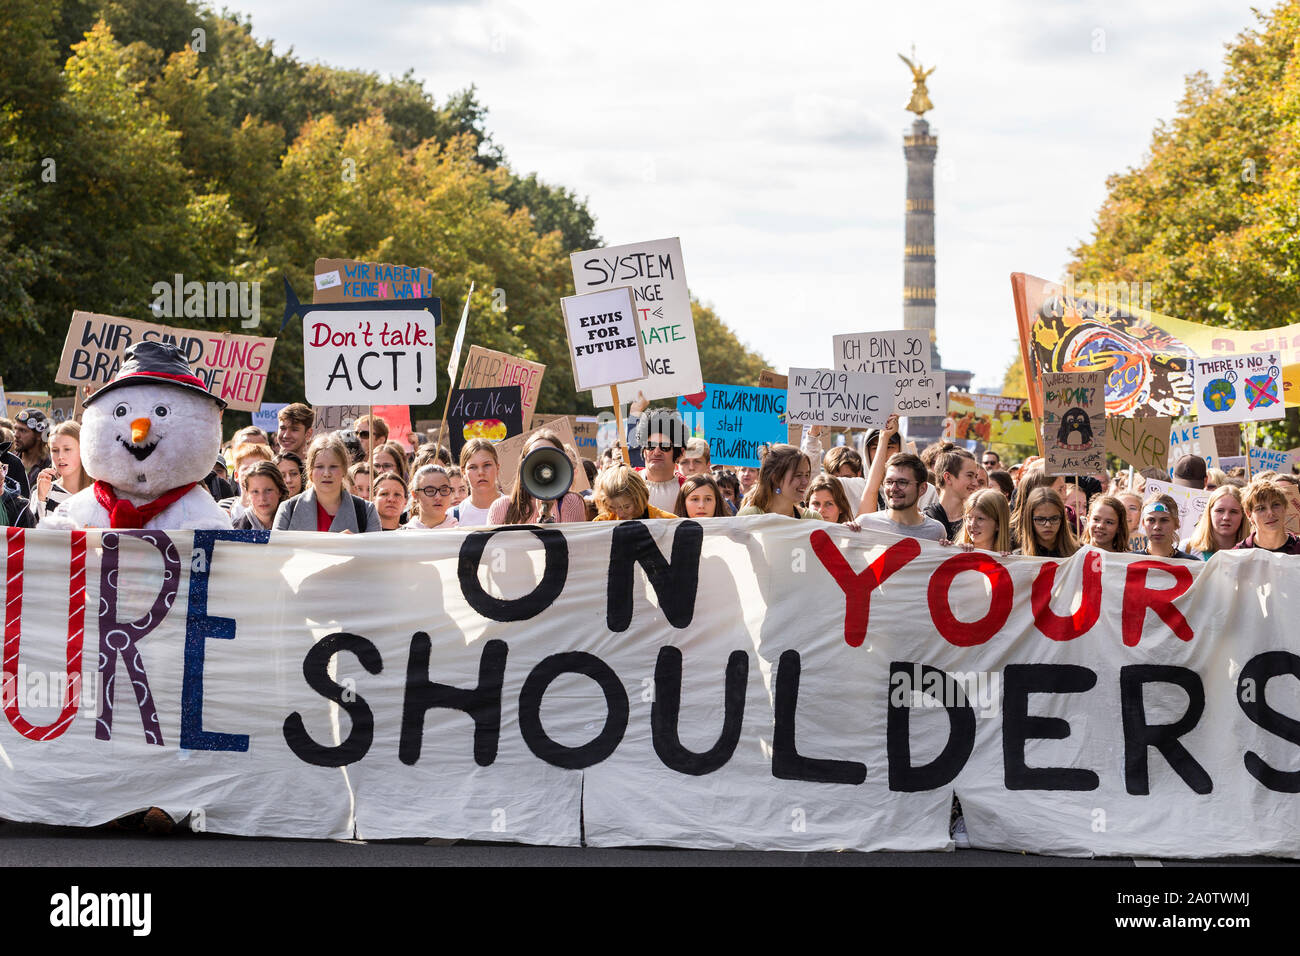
x=371, y=358
x=603, y=340
x=1239, y=388
x=1074, y=423
x=819, y=396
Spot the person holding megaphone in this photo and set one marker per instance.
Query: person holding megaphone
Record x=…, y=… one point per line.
x=541, y=493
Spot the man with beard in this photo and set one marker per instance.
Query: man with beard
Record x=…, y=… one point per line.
x=30, y=431
x=903, y=480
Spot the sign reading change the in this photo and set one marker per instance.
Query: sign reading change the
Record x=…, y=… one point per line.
x=603, y=341
x=1239, y=388
x=374, y=358
x=819, y=396
x=655, y=274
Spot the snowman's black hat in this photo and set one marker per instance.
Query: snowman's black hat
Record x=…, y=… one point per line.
x=159, y=362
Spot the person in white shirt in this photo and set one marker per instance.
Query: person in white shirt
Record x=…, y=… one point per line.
x=903, y=478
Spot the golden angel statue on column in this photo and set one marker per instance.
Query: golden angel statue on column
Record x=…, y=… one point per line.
x=920, y=101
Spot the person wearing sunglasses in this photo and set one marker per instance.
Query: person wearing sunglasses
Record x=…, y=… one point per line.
x=431, y=493
x=661, y=436
x=371, y=431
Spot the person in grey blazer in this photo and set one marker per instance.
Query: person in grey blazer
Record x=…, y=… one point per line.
x=326, y=466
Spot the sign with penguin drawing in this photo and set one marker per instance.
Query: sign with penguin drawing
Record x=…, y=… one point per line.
x=1074, y=423
x=1238, y=388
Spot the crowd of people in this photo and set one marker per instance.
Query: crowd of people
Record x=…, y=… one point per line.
x=357, y=481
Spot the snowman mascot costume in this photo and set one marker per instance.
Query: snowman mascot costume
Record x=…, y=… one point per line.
x=148, y=438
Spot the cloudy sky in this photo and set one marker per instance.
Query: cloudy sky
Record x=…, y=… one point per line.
x=768, y=136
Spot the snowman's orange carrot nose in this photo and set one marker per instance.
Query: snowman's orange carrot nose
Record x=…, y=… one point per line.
x=140, y=430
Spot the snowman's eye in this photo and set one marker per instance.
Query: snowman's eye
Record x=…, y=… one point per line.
x=120, y=411
x=160, y=411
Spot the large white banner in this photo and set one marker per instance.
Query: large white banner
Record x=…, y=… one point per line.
x=753, y=682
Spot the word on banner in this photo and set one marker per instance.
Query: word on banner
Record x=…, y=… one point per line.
x=487, y=685
x=905, y=357
x=375, y=358
x=819, y=396
x=604, y=344
x=231, y=367
x=1239, y=388
x=484, y=367
x=737, y=421
x=655, y=273
x=1142, y=442
x=1074, y=423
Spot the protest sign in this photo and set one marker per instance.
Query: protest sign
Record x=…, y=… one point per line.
x=604, y=344
x=883, y=710
x=1269, y=459
x=510, y=450
x=904, y=357
x=1074, y=423
x=350, y=280
x=1189, y=439
x=655, y=273
x=332, y=418
x=1239, y=388
x=989, y=418
x=1141, y=442
x=1227, y=440
x=819, y=396
x=585, y=429
x=1191, y=502
x=354, y=356
x=15, y=402
x=398, y=420
x=63, y=410
x=738, y=419
x=770, y=379
x=494, y=413
x=484, y=367
x=4, y=403
x=267, y=417
x=1227, y=464
x=231, y=367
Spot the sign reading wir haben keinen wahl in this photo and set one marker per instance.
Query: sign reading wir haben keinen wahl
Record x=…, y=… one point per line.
x=863, y=678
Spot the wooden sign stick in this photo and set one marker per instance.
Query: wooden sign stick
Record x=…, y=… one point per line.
x=618, y=418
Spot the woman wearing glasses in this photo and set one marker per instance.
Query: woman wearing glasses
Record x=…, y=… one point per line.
x=432, y=493
x=1050, y=536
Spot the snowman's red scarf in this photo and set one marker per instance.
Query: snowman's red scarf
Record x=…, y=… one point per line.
x=124, y=514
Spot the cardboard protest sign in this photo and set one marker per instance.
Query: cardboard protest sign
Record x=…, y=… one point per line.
x=1189, y=439
x=1239, y=388
x=63, y=410
x=654, y=272
x=1074, y=423
x=819, y=396
x=372, y=358
x=1191, y=502
x=585, y=429
x=232, y=367
x=398, y=420
x=902, y=355
x=494, y=413
x=350, y=280
x=484, y=367
x=332, y=418
x=604, y=342
x=15, y=402
x=267, y=417
x=1269, y=459
x=989, y=418
x=738, y=419
x=1227, y=440
x=510, y=450
x=1142, y=442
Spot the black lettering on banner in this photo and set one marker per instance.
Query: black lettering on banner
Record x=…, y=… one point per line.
x=1139, y=735
x=1258, y=670
x=315, y=668
x=1019, y=726
x=943, y=769
x=675, y=582
x=666, y=711
x=482, y=703
x=555, y=571
x=530, y=710
x=787, y=762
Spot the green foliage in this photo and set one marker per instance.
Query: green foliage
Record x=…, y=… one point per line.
x=1210, y=219
x=212, y=155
